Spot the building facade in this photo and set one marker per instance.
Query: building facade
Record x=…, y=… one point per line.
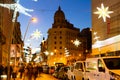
x=106, y=30
x=10, y=34
x=60, y=40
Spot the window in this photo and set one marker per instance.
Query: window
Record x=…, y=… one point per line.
x=60, y=53
x=55, y=37
x=55, y=32
x=60, y=47
x=90, y=66
x=100, y=64
x=60, y=32
x=79, y=66
x=60, y=37
x=60, y=42
x=55, y=42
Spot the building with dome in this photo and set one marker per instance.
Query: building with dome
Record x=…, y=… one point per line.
x=60, y=40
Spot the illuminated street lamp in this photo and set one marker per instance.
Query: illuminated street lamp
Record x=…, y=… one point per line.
x=31, y=20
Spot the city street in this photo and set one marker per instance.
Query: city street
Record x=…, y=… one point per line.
x=46, y=77
x=53, y=40
x=42, y=76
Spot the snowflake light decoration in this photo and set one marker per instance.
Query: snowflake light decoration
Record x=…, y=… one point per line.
x=103, y=12
x=46, y=53
x=35, y=0
x=77, y=42
x=17, y=8
x=36, y=34
x=96, y=37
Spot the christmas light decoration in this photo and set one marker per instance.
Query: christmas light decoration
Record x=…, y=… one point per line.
x=35, y=0
x=46, y=53
x=77, y=42
x=17, y=8
x=103, y=12
x=36, y=34
x=67, y=52
x=96, y=37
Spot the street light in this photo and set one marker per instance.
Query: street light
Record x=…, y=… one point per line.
x=31, y=20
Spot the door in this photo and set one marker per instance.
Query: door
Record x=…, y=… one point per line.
x=78, y=70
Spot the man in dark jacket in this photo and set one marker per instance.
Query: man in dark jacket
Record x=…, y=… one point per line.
x=1, y=70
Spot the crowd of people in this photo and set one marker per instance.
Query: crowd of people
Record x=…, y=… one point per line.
x=24, y=72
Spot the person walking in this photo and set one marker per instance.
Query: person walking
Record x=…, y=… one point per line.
x=6, y=70
x=21, y=71
x=1, y=71
x=28, y=72
x=35, y=72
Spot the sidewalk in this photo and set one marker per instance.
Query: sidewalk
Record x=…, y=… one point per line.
x=42, y=76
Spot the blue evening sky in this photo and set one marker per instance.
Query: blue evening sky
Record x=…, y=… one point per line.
x=77, y=12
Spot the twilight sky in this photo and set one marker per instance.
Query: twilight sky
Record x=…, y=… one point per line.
x=77, y=12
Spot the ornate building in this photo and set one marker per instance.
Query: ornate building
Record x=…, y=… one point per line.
x=60, y=40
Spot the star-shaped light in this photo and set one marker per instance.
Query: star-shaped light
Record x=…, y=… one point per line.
x=35, y=0
x=96, y=37
x=77, y=42
x=36, y=34
x=46, y=53
x=103, y=12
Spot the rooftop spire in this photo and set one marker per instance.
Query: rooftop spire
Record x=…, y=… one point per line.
x=59, y=8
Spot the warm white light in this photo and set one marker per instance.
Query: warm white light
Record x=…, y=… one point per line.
x=51, y=53
x=36, y=34
x=96, y=38
x=35, y=0
x=77, y=42
x=46, y=53
x=103, y=12
x=95, y=33
x=34, y=19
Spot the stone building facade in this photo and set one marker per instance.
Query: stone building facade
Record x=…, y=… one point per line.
x=10, y=32
x=60, y=40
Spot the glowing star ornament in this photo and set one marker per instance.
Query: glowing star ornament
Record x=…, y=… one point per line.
x=36, y=34
x=103, y=12
x=77, y=42
x=35, y=0
x=17, y=8
x=46, y=53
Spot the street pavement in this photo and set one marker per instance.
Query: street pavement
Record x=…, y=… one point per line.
x=42, y=76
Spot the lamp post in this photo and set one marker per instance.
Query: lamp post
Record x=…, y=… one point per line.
x=28, y=25
x=31, y=20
